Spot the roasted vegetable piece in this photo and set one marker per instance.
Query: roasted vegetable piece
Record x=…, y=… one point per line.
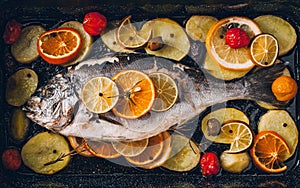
x=19, y=125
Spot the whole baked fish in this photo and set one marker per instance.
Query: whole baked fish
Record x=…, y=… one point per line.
x=58, y=106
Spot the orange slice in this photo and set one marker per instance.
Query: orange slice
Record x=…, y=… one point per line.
x=137, y=94
x=129, y=37
x=77, y=144
x=131, y=149
x=166, y=91
x=101, y=149
x=100, y=94
x=264, y=50
x=59, y=46
x=151, y=153
x=269, y=151
x=284, y=88
x=223, y=54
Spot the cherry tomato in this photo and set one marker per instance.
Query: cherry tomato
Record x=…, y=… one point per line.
x=12, y=32
x=210, y=164
x=11, y=159
x=94, y=23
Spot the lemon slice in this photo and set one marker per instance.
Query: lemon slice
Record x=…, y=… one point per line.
x=239, y=134
x=86, y=40
x=282, y=30
x=129, y=37
x=42, y=149
x=185, y=154
x=218, y=72
x=176, y=44
x=223, y=115
x=101, y=149
x=282, y=123
x=100, y=94
x=24, y=49
x=221, y=52
x=198, y=26
x=131, y=149
x=166, y=91
x=20, y=86
x=264, y=50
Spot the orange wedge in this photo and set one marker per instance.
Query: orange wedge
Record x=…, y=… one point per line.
x=59, y=46
x=269, y=151
x=101, y=149
x=137, y=94
x=221, y=52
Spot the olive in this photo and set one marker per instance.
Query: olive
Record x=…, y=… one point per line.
x=213, y=127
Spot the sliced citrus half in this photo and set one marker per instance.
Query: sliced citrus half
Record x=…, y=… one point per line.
x=221, y=52
x=129, y=37
x=24, y=49
x=198, y=26
x=137, y=94
x=239, y=134
x=100, y=94
x=20, y=86
x=166, y=91
x=185, y=154
x=77, y=144
x=269, y=151
x=101, y=149
x=220, y=117
x=264, y=50
x=151, y=153
x=282, y=30
x=164, y=155
x=176, y=44
x=281, y=122
x=132, y=148
x=87, y=41
x=59, y=46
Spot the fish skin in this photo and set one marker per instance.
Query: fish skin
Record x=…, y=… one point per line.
x=58, y=107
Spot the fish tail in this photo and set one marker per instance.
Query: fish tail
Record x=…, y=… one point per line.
x=259, y=85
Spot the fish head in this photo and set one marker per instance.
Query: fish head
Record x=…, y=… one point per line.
x=52, y=106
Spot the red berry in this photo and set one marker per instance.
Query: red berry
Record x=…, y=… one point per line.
x=94, y=23
x=12, y=32
x=237, y=38
x=210, y=164
x=11, y=159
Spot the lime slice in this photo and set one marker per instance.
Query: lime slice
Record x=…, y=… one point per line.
x=44, y=148
x=24, y=49
x=20, y=86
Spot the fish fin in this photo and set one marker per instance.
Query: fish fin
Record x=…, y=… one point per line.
x=259, y=85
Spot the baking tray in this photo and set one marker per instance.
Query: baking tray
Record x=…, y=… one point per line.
x=92, y=172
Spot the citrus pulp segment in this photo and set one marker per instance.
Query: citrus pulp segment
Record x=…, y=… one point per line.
x=281, y=122
x=282, y=30
x=86, y=38
x=269, y=151
x=166, y=91
x=176, y=44
x=24, y=49
x=137, y=94
x=131, y=149
x=221, y=52
x=264, y=50
x=59, y=46
x=101, y=149
x=100, y=94
x=129, y=37
x=151, y=153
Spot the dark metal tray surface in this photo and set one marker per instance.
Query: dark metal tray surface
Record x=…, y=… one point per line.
x=90, y=172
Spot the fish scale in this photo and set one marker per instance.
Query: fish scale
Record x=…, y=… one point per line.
x=197, y=91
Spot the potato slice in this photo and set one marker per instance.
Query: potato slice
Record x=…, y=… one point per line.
x=223, y=115
x=282, y=123
x=185, y=154
x=45, y=148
